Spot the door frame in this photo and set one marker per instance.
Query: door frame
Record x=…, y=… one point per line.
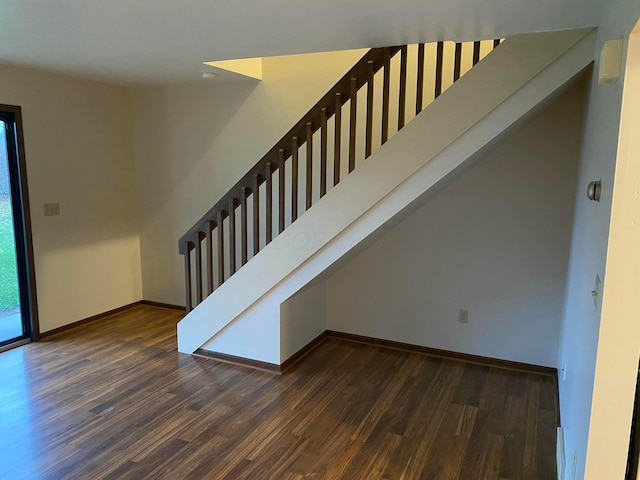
x=22, y=223
x=618, y=356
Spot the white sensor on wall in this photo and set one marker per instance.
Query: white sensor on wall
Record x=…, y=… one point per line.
x=610, y=62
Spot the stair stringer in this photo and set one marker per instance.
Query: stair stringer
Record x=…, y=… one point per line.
x=242, y=317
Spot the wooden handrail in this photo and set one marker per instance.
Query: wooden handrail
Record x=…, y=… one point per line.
x=210, y=227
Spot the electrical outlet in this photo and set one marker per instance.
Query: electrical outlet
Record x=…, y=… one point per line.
x=463, y=316
x=564, y=372
x=51, y=209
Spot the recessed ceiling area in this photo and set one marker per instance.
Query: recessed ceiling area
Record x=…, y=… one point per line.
x=158, y=42
x=245, y=67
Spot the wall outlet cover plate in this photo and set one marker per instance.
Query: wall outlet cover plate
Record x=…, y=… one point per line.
x=51, y=209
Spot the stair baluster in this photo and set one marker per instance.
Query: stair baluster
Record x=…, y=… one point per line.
x=187, y=277
x=268, y=193
x=457, y=62
x=256, y=213
x=337, y=140
x=244, y=234
x=210, y=226
x=281, y=192
x=232, y=237
x=220, y=228
x=323, y=151
x=420, y=79
x=309, y=185
x=439, y=62
x=294, y=179
x=402, y=89
x=386, y=85
x=476, y=52
x=198, y=261
x=369, y=126
x=353, y=115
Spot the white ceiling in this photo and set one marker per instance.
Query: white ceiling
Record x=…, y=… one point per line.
x=142, y=42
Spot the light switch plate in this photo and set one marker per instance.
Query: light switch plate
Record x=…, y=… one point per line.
x=51, y=209
x=597, y=291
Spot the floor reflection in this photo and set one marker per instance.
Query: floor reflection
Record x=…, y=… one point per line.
x=10, y=325
x=16, y=422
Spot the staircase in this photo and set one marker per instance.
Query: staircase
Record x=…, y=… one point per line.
x=281, y=165
x=245, y=257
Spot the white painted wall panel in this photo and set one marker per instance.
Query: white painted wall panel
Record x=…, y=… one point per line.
x=495, y=242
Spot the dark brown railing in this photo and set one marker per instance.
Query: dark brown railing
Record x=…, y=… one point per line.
x=213, y=252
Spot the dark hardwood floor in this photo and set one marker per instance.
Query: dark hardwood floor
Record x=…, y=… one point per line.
x=114, y=400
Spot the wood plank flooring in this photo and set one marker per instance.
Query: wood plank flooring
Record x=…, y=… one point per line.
x=114, y=400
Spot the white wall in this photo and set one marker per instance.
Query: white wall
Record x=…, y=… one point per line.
x=192, y=144
x=302, y=318
x=581, y=323
x=273, y=331
x=257, y=337
x=79, y=152
x=495, y=242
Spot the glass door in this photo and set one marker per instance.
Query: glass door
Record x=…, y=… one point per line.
x=18, y=317
x=11, y=325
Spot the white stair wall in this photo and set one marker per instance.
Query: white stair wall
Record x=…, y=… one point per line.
x=243, y=316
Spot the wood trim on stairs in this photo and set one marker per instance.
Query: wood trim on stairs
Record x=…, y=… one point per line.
x=240, y=361
x=264, y=366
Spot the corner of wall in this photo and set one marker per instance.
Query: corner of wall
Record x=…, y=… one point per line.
x=303, y=317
